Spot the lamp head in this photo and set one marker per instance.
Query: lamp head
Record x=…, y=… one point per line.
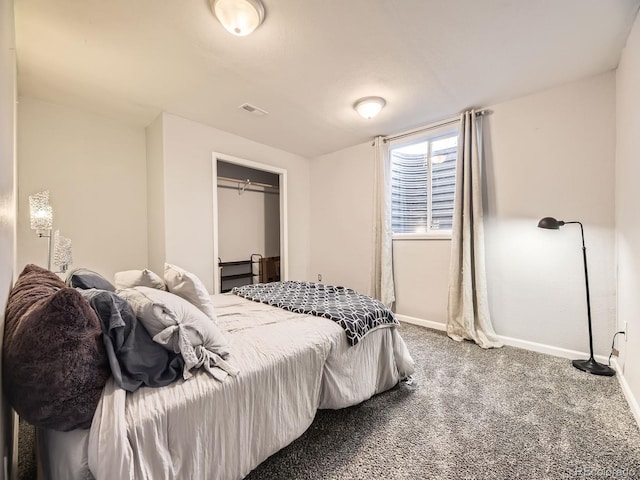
x=550, y=223
x=62, y=256
x=40, y=212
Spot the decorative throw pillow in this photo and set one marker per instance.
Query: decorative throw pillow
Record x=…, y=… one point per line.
x=139, y=278
x=179, y=326
x=190, y=287
x=85, y=279
x=54, y=361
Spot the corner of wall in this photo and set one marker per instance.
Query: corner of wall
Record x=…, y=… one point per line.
x=626, y=218
x=155, y=194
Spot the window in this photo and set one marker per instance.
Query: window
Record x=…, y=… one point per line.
x=423, y=182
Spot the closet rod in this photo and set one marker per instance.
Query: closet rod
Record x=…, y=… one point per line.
x=262, y=190
x=431, y=126
x=247, y=182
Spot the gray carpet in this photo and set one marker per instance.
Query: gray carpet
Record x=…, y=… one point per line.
x=27, y=464
x=472, y=414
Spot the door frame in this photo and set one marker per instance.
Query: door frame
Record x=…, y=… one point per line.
x=284, y=230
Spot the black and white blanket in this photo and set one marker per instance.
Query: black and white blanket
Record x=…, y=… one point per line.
x=356, y=313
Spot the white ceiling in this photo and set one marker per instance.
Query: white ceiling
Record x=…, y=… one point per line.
x=310, y=60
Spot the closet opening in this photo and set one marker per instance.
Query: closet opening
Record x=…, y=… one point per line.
x=249, y=223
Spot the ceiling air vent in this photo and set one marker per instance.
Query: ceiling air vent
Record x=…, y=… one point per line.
x=253, y=109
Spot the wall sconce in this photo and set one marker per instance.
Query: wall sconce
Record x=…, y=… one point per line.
x=369, y=107
x=239, y=17
x=41, y=216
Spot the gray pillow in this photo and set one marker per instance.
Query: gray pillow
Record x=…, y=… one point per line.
x=181, y=327
x=85, y=279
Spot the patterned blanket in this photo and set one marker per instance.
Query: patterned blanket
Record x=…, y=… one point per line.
x=356, y=313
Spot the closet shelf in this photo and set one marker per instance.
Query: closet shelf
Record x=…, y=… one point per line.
x=239, y=272
x=239, y=262
x=237, y=276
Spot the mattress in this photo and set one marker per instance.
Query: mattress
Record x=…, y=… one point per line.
x=290, y=366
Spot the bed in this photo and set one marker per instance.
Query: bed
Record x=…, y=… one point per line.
x=290, y=365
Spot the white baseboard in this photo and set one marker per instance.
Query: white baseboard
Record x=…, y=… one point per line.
x=421, y=322
x=549, y=350
x=628, y=394
x=512, y=342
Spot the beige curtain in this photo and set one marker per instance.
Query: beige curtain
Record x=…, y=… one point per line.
x=468, y=309
x=382, y=285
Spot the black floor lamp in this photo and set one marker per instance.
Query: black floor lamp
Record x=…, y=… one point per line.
x=589, y=365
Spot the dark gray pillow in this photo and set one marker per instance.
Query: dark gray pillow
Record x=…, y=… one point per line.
x=55, y=365
x=85, y=279
x=135, y=359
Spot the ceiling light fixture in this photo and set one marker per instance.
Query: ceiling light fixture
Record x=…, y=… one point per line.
x=240, y=17
x=369, y=107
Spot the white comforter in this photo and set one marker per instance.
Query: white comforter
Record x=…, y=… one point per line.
x=290, y=365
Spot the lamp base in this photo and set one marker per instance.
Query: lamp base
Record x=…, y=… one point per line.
x=594, y=367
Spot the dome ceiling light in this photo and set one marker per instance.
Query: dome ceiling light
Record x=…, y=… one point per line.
x=369, y=107
x=240, y=17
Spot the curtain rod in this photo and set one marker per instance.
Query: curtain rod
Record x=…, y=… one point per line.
x=431, y=126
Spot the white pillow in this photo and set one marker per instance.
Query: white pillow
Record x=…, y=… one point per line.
x=139, y=278
x=179, y=326
x=190, y=287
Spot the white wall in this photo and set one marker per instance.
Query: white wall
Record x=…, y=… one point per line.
x=155, y=196
x=342, y=228
x=7, y=184
x=627, y=201
x=188, y=148
x=421, y=271
x=95, y=171
x=550, y=153
x=247, y=224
